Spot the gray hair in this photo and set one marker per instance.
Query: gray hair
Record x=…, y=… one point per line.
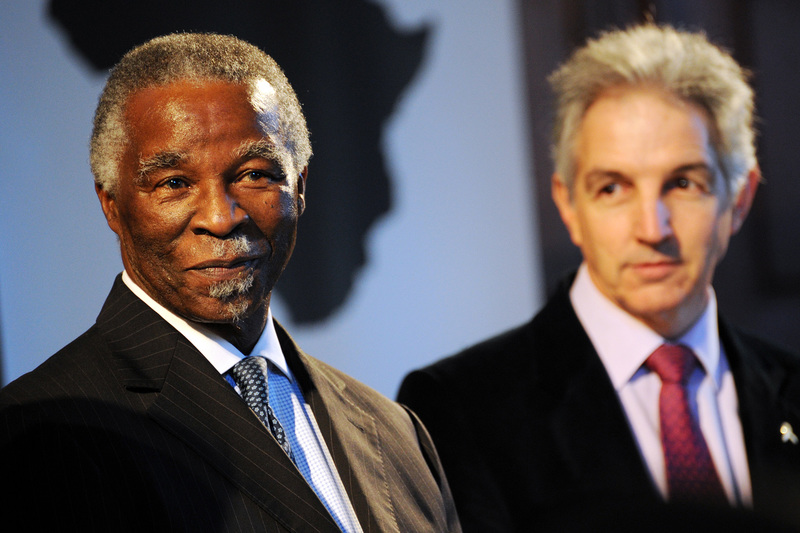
x=682, y=63
x=197, y=57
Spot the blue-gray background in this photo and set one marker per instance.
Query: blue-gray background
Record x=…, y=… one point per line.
x=454, y=259
x=443, y=201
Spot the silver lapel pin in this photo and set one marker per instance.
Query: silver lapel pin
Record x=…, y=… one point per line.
x=787, y=433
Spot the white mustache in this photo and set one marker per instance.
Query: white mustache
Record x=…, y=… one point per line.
x=240, y=245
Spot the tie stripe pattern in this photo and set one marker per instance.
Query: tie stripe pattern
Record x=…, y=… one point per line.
x=251, y=376
x=691, y=475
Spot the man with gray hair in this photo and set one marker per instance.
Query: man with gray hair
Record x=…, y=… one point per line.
x=627, y=390
x=186, y=407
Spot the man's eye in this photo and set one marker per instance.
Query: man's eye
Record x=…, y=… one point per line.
x=256, y=175
x=174, y=183
x=611, y=188
x=683, y=183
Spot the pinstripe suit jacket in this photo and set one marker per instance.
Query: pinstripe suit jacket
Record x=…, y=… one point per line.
x=130, y=428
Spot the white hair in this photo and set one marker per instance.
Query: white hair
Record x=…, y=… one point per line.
x=681, y=63
x=199, y=57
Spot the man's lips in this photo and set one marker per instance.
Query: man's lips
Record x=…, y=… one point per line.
x=227, y=267
x=655, y=269
x=225, y=262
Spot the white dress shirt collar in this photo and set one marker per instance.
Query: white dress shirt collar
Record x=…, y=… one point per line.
x=219, y=352
x=624, y=343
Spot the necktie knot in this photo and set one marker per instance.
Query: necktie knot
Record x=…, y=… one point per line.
x=691, y=474
x=251, y=376
x=249, y=372
x=673, y=363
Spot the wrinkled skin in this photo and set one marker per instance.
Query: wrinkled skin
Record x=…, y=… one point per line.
x=206, y=223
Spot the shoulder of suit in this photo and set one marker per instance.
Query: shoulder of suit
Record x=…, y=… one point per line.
x=507, y=358
x=769, y=352
x=69, y=368
x=354, y=387
x=506, y=352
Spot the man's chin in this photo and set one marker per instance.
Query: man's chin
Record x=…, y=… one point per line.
x=207, y=310
x=670, y=317
x=238, y=310
x=234, y=298
x=231, y=289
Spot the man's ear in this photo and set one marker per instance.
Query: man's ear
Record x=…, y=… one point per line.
x=744, y=199
x=562, y=196
x=109, y=206
x=301, y=191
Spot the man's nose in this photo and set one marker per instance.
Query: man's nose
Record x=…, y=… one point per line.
x=654, y=223
x=218, y=213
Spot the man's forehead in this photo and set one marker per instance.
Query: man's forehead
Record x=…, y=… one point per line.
x=264, y=97
x=186, y=100
x=167, y=122
x=259, y=93
x=655, y=125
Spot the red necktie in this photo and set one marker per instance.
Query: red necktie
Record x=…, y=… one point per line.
x=691, y=476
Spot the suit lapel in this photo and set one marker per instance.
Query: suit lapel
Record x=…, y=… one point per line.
x=590, y=425
x=199, y=407
x=768, y=399
x=349, y=432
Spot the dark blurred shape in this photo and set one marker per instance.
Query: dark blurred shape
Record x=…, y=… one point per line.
x=1, y=353
x=348, y=67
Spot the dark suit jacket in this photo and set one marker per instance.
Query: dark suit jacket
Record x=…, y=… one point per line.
x=130, y=428
x=532, y=435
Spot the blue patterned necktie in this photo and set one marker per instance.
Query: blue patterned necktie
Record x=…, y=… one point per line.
x=254, y=376
x=251, y=376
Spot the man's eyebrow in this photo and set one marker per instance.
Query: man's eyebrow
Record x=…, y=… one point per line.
x=701, y=166
x=158, y=161
x=262, y=148
x=603, y=174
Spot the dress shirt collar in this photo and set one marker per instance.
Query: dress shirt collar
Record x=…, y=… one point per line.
x=624, y=343
x=219, y=352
